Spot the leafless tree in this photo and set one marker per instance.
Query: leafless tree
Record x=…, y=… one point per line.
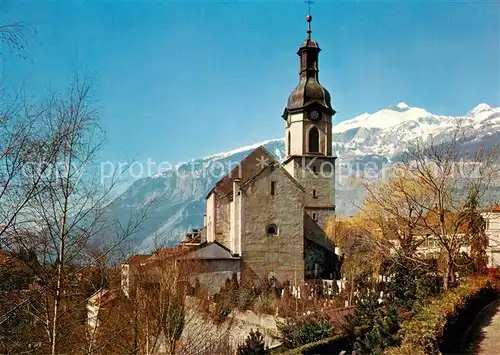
x=354, y=241
x=63, y=219
x=429, y=198
x=169, y=319
x=16, y=37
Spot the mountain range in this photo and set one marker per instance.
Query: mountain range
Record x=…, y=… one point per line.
x=363, y=145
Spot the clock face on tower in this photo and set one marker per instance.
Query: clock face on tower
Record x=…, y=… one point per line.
x=314, y=115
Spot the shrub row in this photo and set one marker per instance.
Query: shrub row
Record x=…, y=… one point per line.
x=424, y=332
x=331, y=345
x=298, y=331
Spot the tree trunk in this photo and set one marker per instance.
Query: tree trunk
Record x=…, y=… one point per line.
x=452, y=275
x=351, y=291
x=62, y=239
x=449, y=276
x=136, y=332
x=57, y=301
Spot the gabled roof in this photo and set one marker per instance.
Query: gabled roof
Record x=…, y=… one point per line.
x=493, y=209
x=316, y=234
x=250, y=166
x=321, y=241
x=275, y=166
x=210, y=251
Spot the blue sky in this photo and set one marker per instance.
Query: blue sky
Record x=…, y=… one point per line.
x=178, y=80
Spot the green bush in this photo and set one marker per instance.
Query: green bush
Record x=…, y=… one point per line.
x=299, y=331
x=421, y=335
x=382, y=334
x=374, y=326
x=254, y=345
x=356, y=324
x=412, y=283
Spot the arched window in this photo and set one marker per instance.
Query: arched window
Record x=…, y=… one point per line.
x=313, y=140
x=289, y=143
x=272, y=229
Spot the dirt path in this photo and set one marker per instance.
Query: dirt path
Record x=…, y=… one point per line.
x=488, y=339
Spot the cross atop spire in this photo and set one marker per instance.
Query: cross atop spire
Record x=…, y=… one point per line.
x=309, y=17
x=309, y=3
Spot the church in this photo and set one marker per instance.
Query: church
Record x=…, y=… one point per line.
x=267, y=220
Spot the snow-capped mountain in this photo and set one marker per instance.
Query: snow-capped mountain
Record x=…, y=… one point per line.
x=178, y=195
x=388, y=131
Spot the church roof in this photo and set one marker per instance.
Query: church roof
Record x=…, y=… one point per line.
x=275, y=166
x=210, y=251
x=309, y=92
x=316, y=234
x=249, y=167
x=320, y=240
x=309, y=43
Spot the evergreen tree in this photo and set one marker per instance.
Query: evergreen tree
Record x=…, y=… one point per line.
x=382, y=335
x=254, y=345
x=234, y=282
x=476, y=228
x=362, y=318
x=411, y=283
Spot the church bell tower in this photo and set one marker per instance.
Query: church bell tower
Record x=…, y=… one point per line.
x=308, y=134
x=308, y=113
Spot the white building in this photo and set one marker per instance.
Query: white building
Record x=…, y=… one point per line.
x=95, y=305
x=492, y=218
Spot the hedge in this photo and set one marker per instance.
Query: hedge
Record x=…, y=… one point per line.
x=333, y=344
x=424, y=333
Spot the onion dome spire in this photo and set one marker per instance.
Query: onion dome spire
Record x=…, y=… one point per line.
x=309, y=91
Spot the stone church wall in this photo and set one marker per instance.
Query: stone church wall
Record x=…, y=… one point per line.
x=323, y=181
x=267, y=255
x=222, y=221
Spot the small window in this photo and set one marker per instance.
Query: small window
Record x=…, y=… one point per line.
x=314, y=217
x=273, y=187
x=272, y=229
x=314, y=194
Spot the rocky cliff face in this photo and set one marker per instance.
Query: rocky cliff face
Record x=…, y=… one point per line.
x=363, y=144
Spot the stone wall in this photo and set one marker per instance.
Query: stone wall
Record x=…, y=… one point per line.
x=265, y=255
x=316, y=221
x=244, y=322
x=222, y=221
x=202, y=332
x=319, y=195
x=322, y=181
